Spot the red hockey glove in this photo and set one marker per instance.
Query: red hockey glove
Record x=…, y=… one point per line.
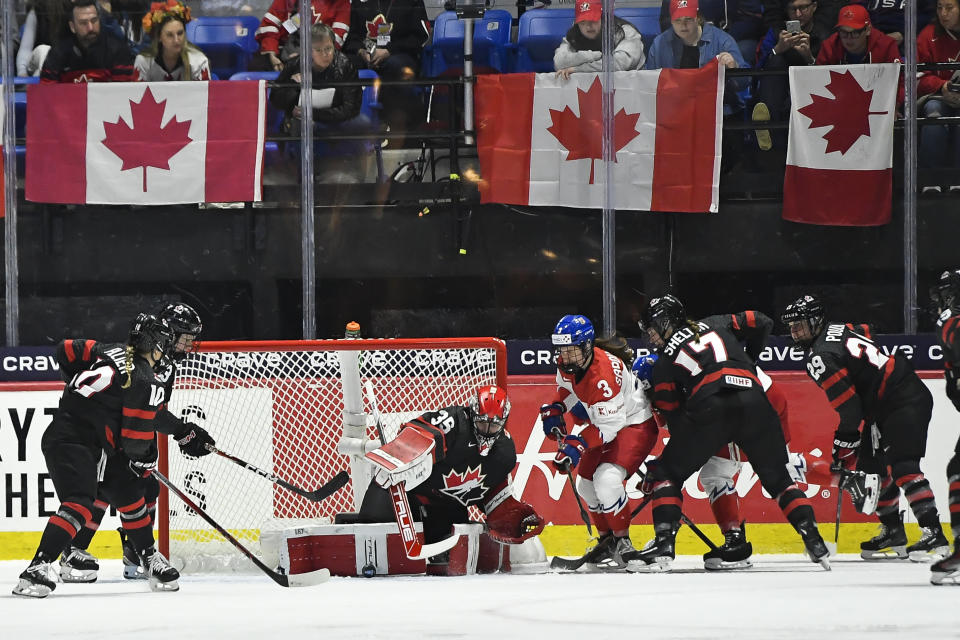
x=513, y=522
x=568, y=456
x=551, y=415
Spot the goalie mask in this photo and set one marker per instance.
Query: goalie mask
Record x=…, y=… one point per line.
x=946, y=293
x=573, y=343
x=186, y=326
x=490, y=410
x=661, y=318
x=149, y=334
x=804, y=318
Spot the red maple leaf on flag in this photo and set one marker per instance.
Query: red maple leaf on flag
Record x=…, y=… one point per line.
x=582, y=135
x=847, y=112
x=146, y=143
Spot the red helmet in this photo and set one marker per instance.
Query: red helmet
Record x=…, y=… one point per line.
x=490, y=410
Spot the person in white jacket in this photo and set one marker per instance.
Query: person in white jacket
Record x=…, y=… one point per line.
x=580, y=49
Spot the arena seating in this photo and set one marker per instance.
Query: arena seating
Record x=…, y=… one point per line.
x=491, y=44
x=228, y=41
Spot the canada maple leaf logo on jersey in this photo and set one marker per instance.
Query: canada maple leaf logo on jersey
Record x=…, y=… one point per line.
x=464, y=487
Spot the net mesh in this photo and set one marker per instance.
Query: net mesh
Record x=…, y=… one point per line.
x=281, y=410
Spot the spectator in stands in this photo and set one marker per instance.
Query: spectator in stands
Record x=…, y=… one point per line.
x=388, y=36
x=87, y=55
x=277, y=33
x=780, y=50
x=939, y=91
x=580, y=48
x=775, y=15
x=887, y=17
x=44, y=26
x=855, y=42
x=170, y=56
x=338, y=106
x=742, y=19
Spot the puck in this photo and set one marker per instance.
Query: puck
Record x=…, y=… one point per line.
x=369, y=570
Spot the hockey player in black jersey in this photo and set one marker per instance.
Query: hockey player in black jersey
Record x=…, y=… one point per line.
x=104, y=430
x=76, y=563
x=706, y=387
x=450, y=459
x=946, y=300
x=884, y=395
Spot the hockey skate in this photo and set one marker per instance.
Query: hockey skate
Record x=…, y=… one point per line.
x=162, y=575
x=889, y=544
x=947, y=571
x=816, y=548
x=931, y=547
x=734, y=553
x=37, y=580
x=77, y=565
x=606, y=555
x=132, y=567
x=657, y=555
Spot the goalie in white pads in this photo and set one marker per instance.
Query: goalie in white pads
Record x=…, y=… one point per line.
x=451, y=459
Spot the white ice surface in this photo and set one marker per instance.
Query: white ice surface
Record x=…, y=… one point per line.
x=782, y=597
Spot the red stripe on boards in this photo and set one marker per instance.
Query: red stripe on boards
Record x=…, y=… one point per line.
x=56, y=169
x=504, y=117
x=685, y=146
x=233, y=145
x=844, y=198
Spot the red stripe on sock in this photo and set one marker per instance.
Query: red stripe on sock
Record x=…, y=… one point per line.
x=79, y=508
x=63, y=524
x=137, y=524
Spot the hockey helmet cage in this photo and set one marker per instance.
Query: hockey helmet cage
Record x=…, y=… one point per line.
x=806, y=308
x=946, y=293
x=490, y=408
x=573, y=330
x=664, y=315
x=183, y=320
x=149, y=333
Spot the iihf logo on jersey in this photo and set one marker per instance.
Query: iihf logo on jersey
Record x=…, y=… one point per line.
x=464, y=487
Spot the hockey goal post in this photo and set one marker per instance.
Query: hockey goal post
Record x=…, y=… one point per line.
x=283, y=406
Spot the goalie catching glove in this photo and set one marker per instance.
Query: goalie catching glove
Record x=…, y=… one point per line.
x=513, y=521
x=406, y=459
x=193, y=441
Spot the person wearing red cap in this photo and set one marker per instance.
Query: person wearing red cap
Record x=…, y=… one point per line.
x=855, y=42
x=691, y=42
x=580, y=49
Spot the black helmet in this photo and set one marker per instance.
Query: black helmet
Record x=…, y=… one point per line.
x=149, y=333
x=663, y=315
x=809, y=308
x=946, y=293
x=182, y=319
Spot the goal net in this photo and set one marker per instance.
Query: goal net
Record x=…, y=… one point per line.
x=283, y=407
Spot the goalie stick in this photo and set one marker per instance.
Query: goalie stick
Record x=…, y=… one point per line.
x=321, y=493
x=294, y=580
x=412, y=544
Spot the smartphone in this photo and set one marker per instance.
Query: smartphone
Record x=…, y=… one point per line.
x=793, y=26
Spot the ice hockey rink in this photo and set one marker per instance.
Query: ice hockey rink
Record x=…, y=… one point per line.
x=781, y=597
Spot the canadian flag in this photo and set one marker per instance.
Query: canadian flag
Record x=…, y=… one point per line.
x=840, y=150
x=145, y=143
x=540, y=143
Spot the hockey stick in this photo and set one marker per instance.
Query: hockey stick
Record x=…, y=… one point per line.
x=690, y=523
x=573, y=486
x=412, y=544
x=295, y=580
x=323, y=492
x=572, y=564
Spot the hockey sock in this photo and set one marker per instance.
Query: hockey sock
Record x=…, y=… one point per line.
x=137, y=524
x=85, y=535
x=667, y=501
x=888, y=505
x=795, y=505
x=917, y=490
x=61, y=528
x=726, y=511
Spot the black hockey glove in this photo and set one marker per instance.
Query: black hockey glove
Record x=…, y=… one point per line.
x=845, y=451
x=193, y=442
x=952, y=377
x=142, y=468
